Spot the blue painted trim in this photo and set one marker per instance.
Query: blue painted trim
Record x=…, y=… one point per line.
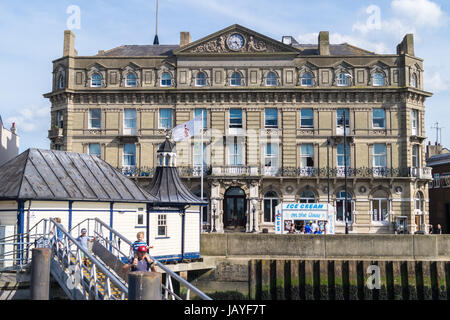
x=141, y=227
x=20, y=227
x=70, y=214
x=192, y=255
x=165, y=211
x=148, y=223
x=162, y=238
x=173, y=257
x=182, y=234
x=111, y=225
x=73, y=210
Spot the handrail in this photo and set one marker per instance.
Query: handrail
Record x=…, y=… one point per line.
x=98, y=264
x=159, y=264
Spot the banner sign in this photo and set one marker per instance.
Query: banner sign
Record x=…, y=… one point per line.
x=288, y=212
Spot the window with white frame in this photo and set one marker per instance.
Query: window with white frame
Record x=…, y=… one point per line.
x=341, y=158
x=415, y=156
x=235, y=153
x=236, y=79
x=166, y=79
x=271, y=118
x=165, y=118
x=378, y=119
x=162, y=225
x=414, y=122
x=200, y=79
x=129, y=119
x=418, y=210
x=380, y=207
x=198, y=154
x=198, y=112
x=95, y=119
x=129, y=155
x=307, y=118
x=271, y=155
x=379, y=156
x=96, y=80
x=271, y=200
x=307, y=196
x=343, y=79
x=307, y=155
x=307, y=79
x=235, y=118
x=95, y=150
x=271, y=79
x=378, y=79
x=131, y=80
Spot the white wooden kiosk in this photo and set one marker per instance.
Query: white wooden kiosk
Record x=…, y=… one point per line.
x=174, y=219
x=287, y=212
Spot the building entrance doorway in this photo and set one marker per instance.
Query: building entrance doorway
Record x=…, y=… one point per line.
x=235, y=207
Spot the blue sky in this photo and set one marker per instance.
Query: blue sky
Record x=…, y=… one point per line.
x=31, y=34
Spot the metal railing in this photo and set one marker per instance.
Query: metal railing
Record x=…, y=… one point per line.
x=84, y=271
x=122, y=248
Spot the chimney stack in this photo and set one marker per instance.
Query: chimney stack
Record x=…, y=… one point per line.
x=69, y=44
x=185, y=38
x=13, y=128
x=407, y=45
x=324, y=43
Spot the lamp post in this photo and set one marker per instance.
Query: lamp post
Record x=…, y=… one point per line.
x=254, y=204
x=214, y=208
x=328, y=167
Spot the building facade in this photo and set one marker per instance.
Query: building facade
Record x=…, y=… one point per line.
x=275, y=116
x=9, y=143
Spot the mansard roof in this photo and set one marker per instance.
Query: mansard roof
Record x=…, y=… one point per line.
x=57, y=175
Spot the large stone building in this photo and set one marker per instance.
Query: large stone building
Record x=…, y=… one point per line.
x=274, y=122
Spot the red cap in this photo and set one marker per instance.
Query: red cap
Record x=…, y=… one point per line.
x=142, y=249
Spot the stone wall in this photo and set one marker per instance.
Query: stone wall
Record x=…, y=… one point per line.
x=392, y=247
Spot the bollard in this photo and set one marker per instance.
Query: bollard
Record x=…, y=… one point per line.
x=40, y=274
x=144, y=286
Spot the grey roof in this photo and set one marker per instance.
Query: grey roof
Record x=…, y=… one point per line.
x=343, y=49
x=57, y=175
x=166, y=185
x=438, y=159
x=140, y=51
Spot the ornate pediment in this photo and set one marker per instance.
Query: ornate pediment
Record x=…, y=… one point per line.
x=236, y=39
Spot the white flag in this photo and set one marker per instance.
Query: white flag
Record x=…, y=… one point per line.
x=188, y=129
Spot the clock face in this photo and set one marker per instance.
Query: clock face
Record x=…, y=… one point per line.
x=235, y=41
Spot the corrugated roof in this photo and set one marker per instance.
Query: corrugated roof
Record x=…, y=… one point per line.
x=57, y=175
x=140, y=51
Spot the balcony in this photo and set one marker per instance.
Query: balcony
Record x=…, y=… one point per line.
x=421, y=173
x=234, y=171
x=55, y=133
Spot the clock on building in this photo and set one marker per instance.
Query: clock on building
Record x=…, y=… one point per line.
x=235, y=41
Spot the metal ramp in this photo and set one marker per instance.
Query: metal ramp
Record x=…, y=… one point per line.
x=85, y=275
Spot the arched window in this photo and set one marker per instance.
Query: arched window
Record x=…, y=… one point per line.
x=166, y=80
x=380, y=206
x=200, y=79
x=307, y=196
x=271, y=79
x=307, y=79
x=96, y=80
x=236, y=79
x=378, y=79
x=61, y=82
x=343, y=79
x=271, y=200
x=340, y=199
x=131, y=80
x=414, y=83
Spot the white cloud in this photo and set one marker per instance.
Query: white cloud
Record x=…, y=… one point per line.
x=434, y=82
x=31, y=119
x=419, y=12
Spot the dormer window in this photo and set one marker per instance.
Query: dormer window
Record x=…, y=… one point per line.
x=343, y=79
x=236, y=79
x=200, y=79
x=96, y=80
x=131, y=80
x=271, y=79
x=166, y=80
x=378, y=79
x=307, y=79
